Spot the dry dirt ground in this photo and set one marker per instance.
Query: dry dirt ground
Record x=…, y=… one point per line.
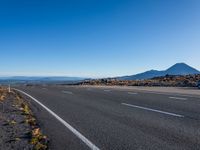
x=18, y=127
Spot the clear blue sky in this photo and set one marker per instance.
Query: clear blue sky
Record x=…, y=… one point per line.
x=97, y=38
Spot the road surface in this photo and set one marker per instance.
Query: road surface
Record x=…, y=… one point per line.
x=117, y=118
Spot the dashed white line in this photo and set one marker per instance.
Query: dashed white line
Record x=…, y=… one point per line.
x=154, y=110
x=67, y=92
x=178, y=98
x=89, y=89
x=107, y=90
x=67, y=125
x=132, y=93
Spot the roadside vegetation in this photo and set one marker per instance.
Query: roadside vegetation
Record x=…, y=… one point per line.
x=19, y=128
x=168, y=80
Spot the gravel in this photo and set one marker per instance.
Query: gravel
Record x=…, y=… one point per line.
x=15, y=131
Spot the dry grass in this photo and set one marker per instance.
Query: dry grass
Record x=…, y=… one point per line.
x=3, y=93
x=38, y=140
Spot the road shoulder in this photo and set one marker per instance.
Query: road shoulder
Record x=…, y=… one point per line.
x=19, y=127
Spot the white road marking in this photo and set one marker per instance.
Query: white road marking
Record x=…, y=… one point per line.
x=132, y=93
x=178, y=98
x=73, y=130
x=168, y=94
x=44, y=88
x=89, y=89
x=154, y=110
x=107, y=90
x=164, y=93
x=67, y=92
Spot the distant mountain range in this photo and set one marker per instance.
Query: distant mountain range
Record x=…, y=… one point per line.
x=41, y=78
x=177, y=69
x=26, y=80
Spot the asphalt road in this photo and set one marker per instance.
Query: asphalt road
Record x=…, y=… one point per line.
x=117, y=118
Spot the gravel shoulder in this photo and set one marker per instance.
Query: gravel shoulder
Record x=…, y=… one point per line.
x=18, y=127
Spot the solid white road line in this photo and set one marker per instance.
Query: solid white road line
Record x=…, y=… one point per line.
x=73, y=130
x=154, y=110
x=67, y=92
x=132, y=93
x=178, y=98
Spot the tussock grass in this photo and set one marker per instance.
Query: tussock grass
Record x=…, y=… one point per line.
x=37, y=139
x=3, y=93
